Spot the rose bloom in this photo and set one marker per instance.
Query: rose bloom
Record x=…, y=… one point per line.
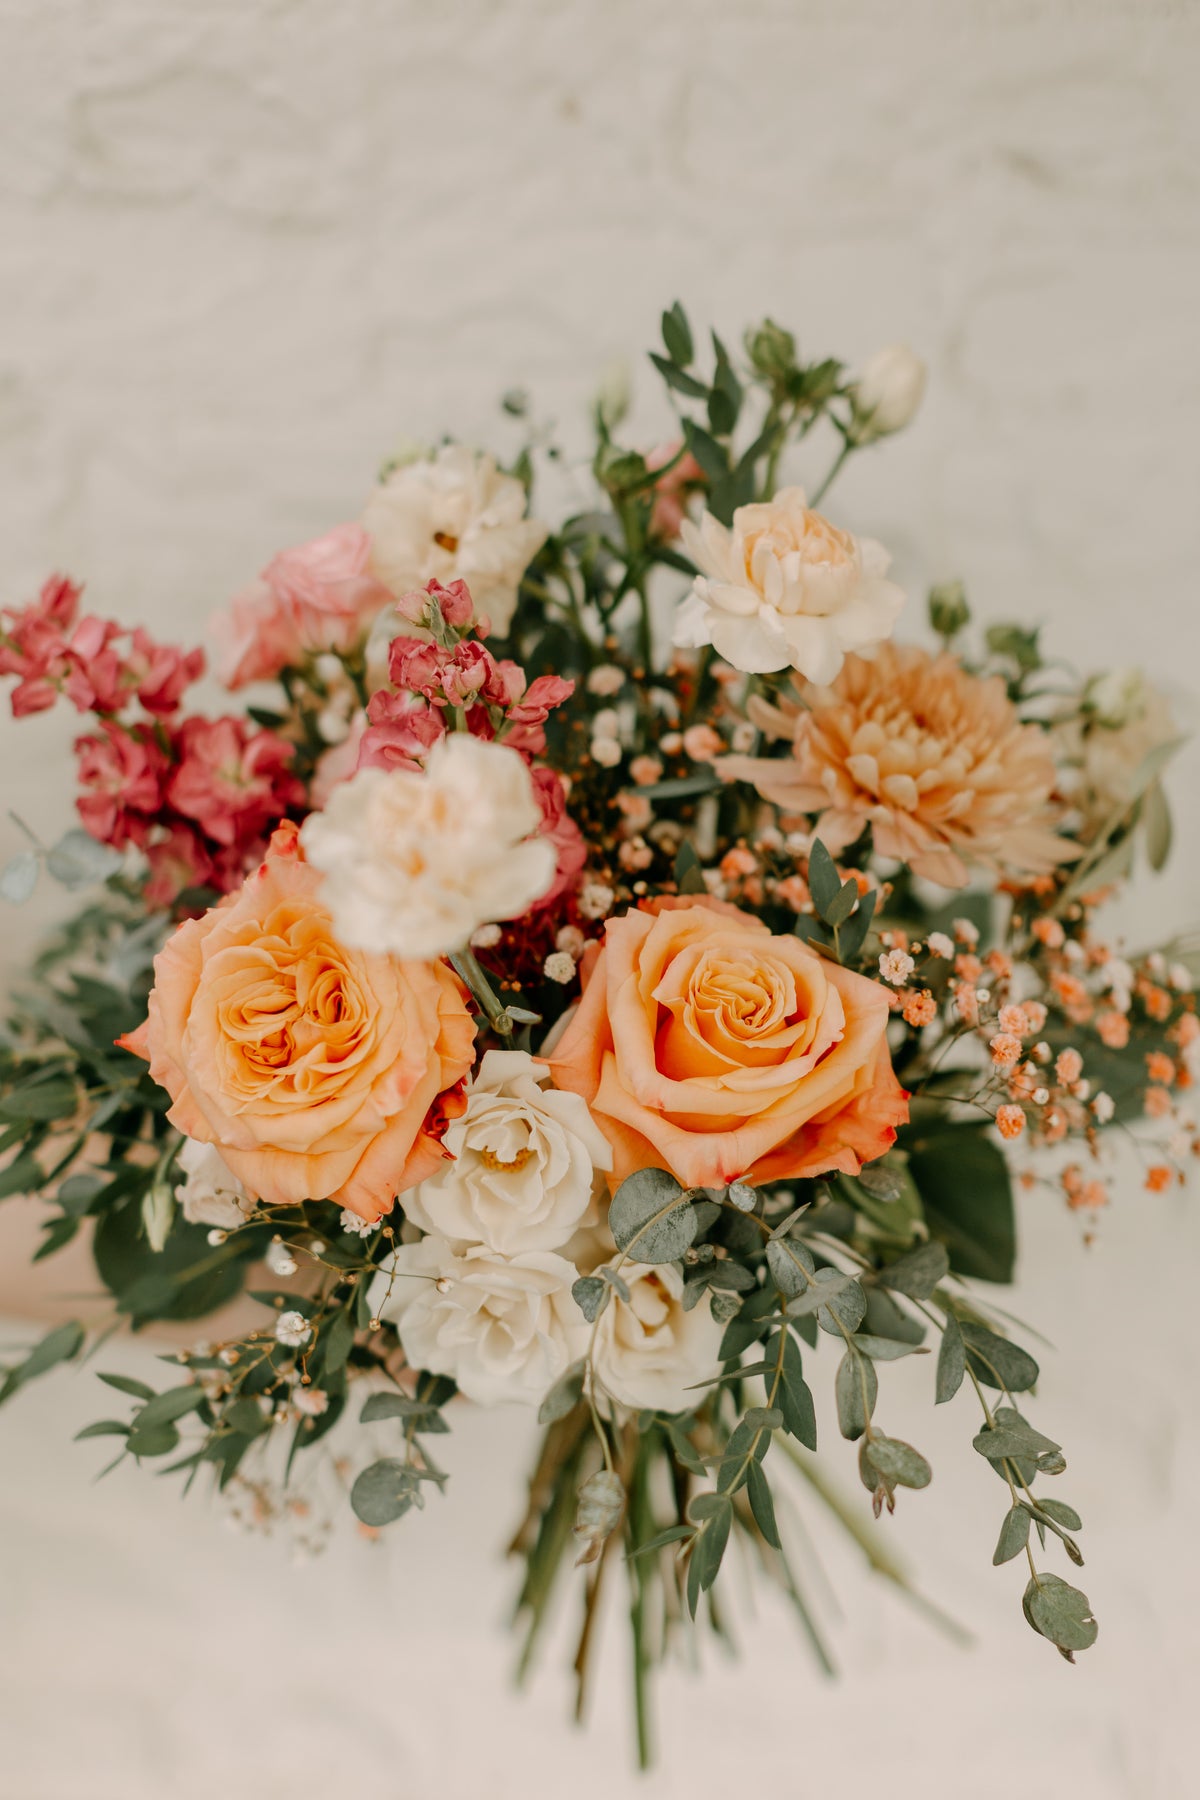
x=414, y=862
x=210, y=1193
x=706, y=1046
x=311, y=1068
x=785, y=589
x=935, y=759
x=649, y=1352
x=505, y=1328
x=523, y=1161
x=454, y=517
x=319, y=596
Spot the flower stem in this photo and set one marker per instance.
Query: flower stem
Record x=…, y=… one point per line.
x=466, y=965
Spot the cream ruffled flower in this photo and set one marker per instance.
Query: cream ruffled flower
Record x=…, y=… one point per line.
x=453, y=516
x=505, y=1327
x=523, y=1162
x=785, y=589
x=211, y=1194
x=934, y=759
x=414, y=863
x=649, y=1352
x=1126, y=720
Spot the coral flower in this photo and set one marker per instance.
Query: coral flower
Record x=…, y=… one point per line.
x=934, y=759
x=312, y=1068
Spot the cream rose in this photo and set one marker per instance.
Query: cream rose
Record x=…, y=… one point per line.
x=414, y=863
x=648, y=1351
x=454, y=517
x=887, y=393
x=785, y=589
x=505, y=1327
x=524, y=1162
x=211, y=1194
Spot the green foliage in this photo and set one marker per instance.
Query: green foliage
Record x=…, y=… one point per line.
x=651, y=1217
x=966, y=1195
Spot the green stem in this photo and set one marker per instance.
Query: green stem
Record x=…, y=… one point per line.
x=466, y=965
x=841, y=457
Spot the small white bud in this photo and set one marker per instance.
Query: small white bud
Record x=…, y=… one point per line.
x=887, y=393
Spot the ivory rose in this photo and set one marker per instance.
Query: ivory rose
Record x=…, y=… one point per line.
x=649, y=1352
x=784, y=588
x=454, y=517
x=505, y=1327
x=311, y=1068
x=707, y=1046
x=210, y=1193
x=522, y=1161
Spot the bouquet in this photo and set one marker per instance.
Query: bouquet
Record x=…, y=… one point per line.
x=597, y=968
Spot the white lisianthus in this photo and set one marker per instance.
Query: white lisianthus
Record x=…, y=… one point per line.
x=887, y=393
x=505, y=1327
x=211, y=1194
x=649, y=1352
x=414, y=863
x=454, y=517
x=785, y=589
x=522, y=1162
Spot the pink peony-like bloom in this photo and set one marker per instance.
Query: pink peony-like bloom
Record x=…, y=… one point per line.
x=671, y=490
x=936, y=760
x=232, y=780
x=558, y=825
x=319, y=596
x=122, y=775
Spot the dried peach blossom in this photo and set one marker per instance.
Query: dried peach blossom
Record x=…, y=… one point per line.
x=1010, y=1121
x=934, y=759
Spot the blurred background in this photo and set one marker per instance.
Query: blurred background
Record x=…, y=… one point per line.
x=251, y=248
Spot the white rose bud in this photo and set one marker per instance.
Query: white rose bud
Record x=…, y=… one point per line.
x=649, y=1352
x=887, y=393
x=211, y=1194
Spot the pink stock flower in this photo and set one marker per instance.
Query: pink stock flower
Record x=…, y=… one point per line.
x=162, y=672
x=122, y=774
x=177, y=862
x=400, y=733
x=454, y=602
x=528, y=714
x=562, y=831
x=232, y=780
x=318, y=596
x=94, y=681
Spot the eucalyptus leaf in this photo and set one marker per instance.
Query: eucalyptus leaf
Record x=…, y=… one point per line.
x=823, y=879
x=917, y=1274
x=384, y=1491
x=762, y=1505
x=19, y=876
x=951, y=1362
x=1061, y=1613
x=898, y=1462
x=791, y=1266
x=1014, y=1535
x=564, y=1396
x=651, y=1217
x=590, y=1295
x=856, y=1389
x=996, y=1361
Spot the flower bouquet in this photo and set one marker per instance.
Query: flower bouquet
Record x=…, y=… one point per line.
x=597, y=968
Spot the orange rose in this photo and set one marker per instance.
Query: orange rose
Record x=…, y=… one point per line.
x=707, y=1046
x=312, y=1068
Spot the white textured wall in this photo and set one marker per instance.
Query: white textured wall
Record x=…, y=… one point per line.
x=245, y=247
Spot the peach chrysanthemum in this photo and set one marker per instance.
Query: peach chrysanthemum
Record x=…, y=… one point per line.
x=935, y=759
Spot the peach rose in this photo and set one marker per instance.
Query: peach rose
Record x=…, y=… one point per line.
x=706, y=1046
x=311, y=1067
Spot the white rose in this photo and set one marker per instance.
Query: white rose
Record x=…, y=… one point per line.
x=887, y=393
x=649, y=1352
x=524, y=1161
x=505, y=1327
x=414, y=863
x=212, y=1193
x=785, y=588
x=452, y=517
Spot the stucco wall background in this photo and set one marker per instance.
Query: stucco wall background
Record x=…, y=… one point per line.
x=245, y=248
